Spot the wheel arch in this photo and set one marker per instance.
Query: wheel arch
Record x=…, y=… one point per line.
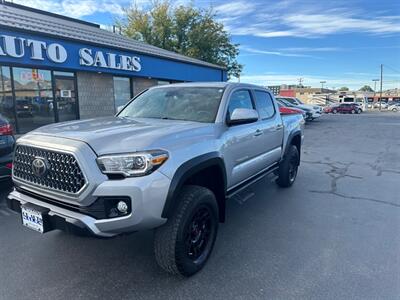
x=207, y=170
x=294, y=139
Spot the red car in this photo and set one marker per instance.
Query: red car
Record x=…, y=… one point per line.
x=329, y=109
x=349, y=108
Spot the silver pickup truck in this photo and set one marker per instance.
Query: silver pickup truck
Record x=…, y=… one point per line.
x=169, y=160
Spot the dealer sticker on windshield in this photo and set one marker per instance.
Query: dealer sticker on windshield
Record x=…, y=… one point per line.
x=32, y=219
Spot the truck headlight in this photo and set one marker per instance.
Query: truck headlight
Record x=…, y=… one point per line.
x=132, y=164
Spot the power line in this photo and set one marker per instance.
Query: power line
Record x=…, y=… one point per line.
x=393, y=69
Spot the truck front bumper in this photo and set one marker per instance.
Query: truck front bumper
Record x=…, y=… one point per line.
x=147, y=197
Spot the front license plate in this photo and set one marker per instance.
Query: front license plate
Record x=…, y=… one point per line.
x=32, y=219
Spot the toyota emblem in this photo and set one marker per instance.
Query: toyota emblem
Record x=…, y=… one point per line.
x=39, y=166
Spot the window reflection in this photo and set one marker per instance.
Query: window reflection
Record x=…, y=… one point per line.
x=6, y=99
x=33, y=98
x=122, y=91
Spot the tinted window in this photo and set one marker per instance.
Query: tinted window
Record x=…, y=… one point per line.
x=265, y=105
x=291, y=101
x=199, y=104
x=240, y=99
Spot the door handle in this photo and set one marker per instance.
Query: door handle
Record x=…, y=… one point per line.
x=278, y=127
x=258, y=132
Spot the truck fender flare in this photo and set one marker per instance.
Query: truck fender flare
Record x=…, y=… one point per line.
x=185, y=171
x=292, y=136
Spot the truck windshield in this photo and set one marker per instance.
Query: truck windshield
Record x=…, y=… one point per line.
x=198, y=104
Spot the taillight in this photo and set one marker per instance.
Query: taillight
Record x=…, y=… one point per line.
x=9, y=165
x=6, y=129
x=289, y=111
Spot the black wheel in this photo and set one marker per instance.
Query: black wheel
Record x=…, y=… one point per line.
x=359, y=111
x=287, y=172
x=183, y=245
x=334, y=111
x=394, y=109
x=353, y=111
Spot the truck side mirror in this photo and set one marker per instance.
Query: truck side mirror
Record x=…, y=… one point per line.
x=243, y=116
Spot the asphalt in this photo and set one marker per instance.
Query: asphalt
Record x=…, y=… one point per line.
x=334, y=235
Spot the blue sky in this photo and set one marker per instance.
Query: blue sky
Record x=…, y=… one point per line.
x=340, y=42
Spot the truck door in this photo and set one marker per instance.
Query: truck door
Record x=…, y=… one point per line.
x=270, y=124
x=241, y=141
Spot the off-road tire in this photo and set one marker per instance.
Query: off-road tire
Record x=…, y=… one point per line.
x=289, y=164
x=170, y=250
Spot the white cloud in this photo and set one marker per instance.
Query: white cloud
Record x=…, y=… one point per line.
x=295, y=18
x=237, y=8
x=312, y=49
x=268, y=52
x=77, y=8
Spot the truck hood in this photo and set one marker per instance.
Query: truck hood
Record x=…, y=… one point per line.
x=120, y=135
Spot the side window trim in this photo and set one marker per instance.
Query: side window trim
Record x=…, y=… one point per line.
x=273, y=104
x=252, y=98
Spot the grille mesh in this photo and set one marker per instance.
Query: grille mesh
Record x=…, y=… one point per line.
x=63, y=174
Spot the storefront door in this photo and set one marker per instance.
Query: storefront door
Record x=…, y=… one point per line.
x=66, y=100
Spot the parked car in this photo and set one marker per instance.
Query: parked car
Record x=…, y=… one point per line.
x=362, y=102
x=307, y=115
x=310, y=114
x=382, y=105
x=298, y=102
x=315, y=109
x=350, y=108
x=285, y=110
x=394, y=107
x=173, y=156
x=329, y=109
x=7, y=142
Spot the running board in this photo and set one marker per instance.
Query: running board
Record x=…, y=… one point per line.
x=237, y=189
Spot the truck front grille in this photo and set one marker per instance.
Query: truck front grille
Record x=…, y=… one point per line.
x=62, y=172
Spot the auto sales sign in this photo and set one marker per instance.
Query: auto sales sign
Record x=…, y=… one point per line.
x=17, y=47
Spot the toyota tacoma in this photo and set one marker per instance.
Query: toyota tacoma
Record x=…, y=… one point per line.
x=169, y=161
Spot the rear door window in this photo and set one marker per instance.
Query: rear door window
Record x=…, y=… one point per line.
x=264, y=104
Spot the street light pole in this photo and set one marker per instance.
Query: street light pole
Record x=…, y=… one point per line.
x=322, y=85
x=375, y=81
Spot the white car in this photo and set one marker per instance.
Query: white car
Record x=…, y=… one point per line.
x=394, y=107
x=316, y=109
x=382, y=104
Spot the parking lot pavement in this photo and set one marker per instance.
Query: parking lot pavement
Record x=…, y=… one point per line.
x=333, y=235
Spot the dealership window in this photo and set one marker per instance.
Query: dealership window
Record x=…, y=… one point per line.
x=141, y=84
x=34, y=103
x=6, y=98
x=122, y=91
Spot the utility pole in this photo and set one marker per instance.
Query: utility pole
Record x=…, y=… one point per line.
x=300, y=82
x=380, y=102
x=322, y=85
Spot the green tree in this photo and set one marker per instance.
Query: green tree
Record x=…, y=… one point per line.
x=366, y=88
x=344, y=88
x=184, y=29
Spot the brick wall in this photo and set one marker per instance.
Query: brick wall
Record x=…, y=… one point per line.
x=96, y=95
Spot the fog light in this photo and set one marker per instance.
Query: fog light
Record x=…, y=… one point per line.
x=122, y=207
